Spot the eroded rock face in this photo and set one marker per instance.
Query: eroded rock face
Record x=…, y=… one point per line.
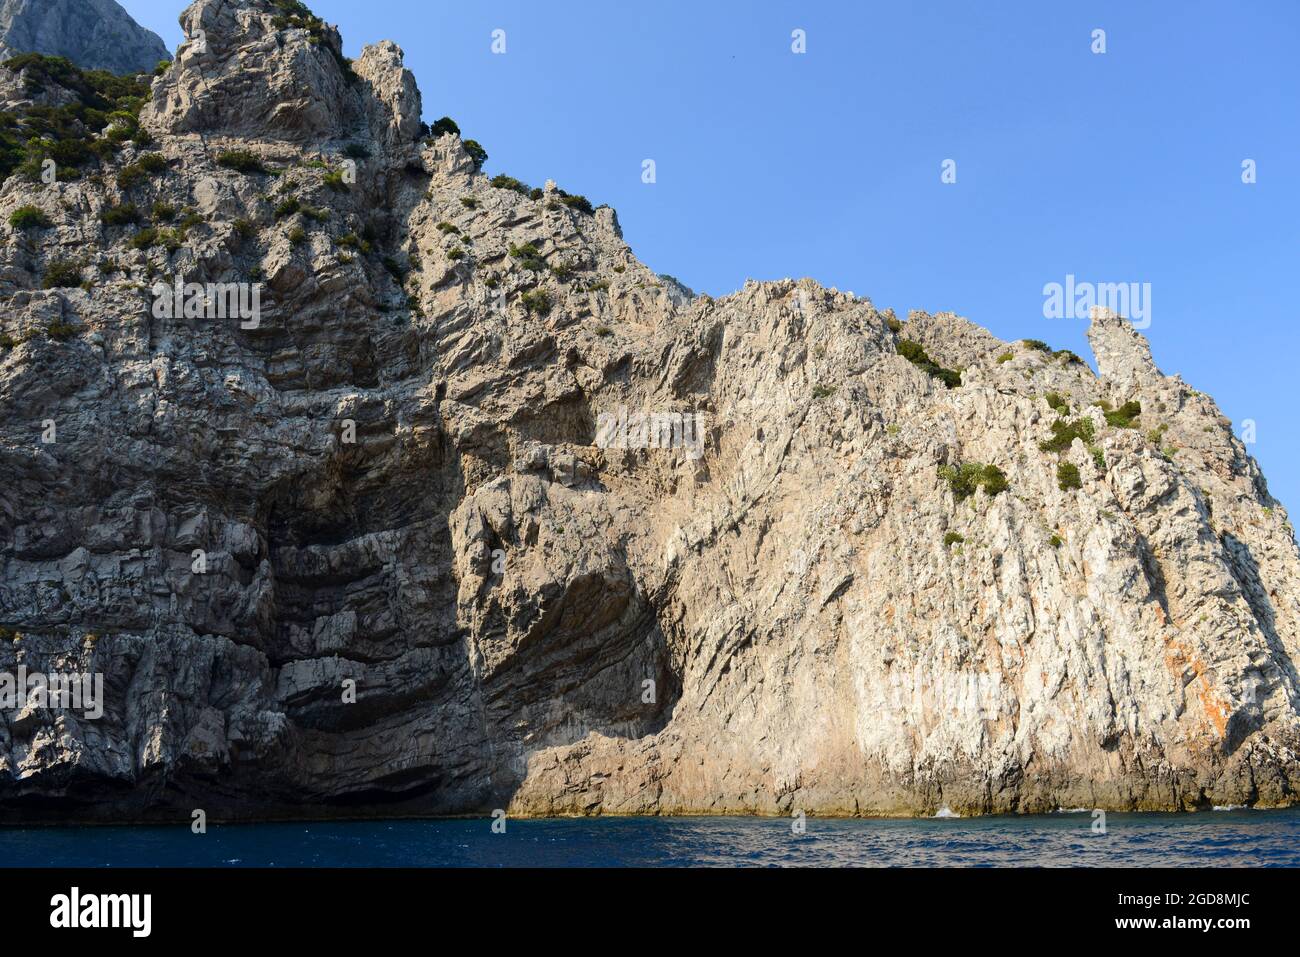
x=94, y=34
x=578, y=541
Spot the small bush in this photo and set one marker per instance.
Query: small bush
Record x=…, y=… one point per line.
x=1067, y=476
x=444, y=126
x=351, y=241
x=126, y=214
x=7, y=341
x=61, y=331
x=580, y=203
x=297, y=235
x=334, y=180
x=994, y=480
x=894, y=324
x=1068, y=358
x=244, y=228
x=476, y=152
x=965, y=478
x=538, y=301
x=1056, y=403
x=1006, y=357
x=62, y=274
x=823, y=391
x=1055, y=541
x=469, y=202
x=241, y=161
x=29, y=217
x=1098, y=457
x=456, y=254
x=145, y=238
x=1122, y=418
x=162, y=67
x=135, y=173
x=952, y=538
x=915, y=353
x=529, y=256
x=163, y=212
x=287, y=207
x=1038, y=345
x=502, y=181
x=1064, y=432
x=446, y=227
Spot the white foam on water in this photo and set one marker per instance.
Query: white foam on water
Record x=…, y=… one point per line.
x=946, y=811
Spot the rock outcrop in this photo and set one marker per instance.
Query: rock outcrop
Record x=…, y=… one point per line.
x=468, y=509
x=93, y=34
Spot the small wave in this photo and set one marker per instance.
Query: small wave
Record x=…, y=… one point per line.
x=946, y=811
x=1073, y=810
x=1229, y=807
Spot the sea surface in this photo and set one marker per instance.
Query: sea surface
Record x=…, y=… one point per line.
x=1240, y=838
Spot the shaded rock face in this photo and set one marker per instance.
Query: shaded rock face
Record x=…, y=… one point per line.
x=477, y=512
x=93, y=34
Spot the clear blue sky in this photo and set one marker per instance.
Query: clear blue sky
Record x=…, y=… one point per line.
x=1117, y=167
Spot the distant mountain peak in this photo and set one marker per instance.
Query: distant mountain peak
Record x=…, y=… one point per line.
x=93, y=34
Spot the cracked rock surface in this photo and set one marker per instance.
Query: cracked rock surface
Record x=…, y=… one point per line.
x=367, y=555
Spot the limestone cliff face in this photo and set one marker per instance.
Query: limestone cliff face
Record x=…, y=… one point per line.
x=93, y=34
x=455, y=461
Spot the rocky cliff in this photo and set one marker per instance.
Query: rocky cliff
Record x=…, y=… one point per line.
x=438, y=501
x=93, y=34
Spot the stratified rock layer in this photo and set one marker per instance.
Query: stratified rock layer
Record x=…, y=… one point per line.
x=394, y=482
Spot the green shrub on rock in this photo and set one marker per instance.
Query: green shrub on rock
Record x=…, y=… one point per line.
x=1122, y=418
x=915, y=353
x=62, y=274
x=29, y=217
x=1064, y=432
x=538, y=301
x=133, y=174
x=476, y=152
x=1067, y=476
x=444, y=126
x=966, y=478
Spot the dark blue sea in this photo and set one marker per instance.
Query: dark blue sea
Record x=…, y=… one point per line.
x=1243, y=838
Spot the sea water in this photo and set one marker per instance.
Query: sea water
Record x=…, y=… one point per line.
x=1240, y=838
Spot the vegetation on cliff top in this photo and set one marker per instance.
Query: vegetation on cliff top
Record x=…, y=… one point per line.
x=94, y=126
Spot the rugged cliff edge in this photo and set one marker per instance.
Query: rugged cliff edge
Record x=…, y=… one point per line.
x=857, y=591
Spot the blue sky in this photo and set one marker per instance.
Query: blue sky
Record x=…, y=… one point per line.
x=1118, y=167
